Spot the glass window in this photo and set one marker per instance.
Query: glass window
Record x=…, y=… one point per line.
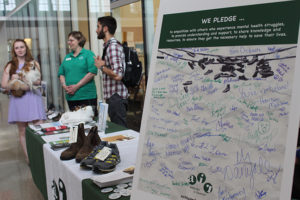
x=1, y=6
x=46, y=38
x=130, y=27
x=99, y=5
x=11, y=4
x=63, y=5
x=94, y=6
x=151, y=11
x=43, y=5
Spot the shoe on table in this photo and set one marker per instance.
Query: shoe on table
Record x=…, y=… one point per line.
x=110, y=162
x=88, y=161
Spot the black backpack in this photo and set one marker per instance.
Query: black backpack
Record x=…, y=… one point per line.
x=133, y=71
x=133, y=68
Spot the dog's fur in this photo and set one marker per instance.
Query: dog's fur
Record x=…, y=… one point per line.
x=29, y=75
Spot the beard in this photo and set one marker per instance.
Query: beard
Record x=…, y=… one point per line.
x=101, y=35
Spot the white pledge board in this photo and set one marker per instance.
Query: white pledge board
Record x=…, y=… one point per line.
x=221, y=114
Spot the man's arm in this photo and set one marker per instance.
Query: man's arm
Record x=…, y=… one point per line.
x=100, y=64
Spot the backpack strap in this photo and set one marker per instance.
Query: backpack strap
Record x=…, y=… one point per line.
x=104, y=50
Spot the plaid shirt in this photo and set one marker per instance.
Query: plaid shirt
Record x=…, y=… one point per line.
x=115, y=60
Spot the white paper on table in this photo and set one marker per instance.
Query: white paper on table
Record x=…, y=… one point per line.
x=112, y=178
x=50, y=124
x=57, y=137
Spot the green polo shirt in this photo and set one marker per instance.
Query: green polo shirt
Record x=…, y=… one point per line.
x=74, y=69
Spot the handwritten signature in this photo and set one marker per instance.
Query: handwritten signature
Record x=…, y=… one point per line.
x=260, y=194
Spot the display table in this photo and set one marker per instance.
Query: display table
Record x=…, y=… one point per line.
x=36, y=148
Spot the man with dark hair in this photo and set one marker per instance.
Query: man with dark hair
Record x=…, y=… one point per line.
x=112, y=65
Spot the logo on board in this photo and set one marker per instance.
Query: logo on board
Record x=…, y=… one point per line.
x=200, y=179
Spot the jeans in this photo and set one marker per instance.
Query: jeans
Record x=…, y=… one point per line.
x=117, y=108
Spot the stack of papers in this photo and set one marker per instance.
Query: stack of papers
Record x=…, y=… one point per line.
x=58, y=138
x=112, y=178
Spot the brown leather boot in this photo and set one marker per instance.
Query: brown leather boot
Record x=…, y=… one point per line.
x=71, y=152
x=90, y=142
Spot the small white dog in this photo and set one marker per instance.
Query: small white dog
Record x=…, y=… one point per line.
x=31, y=76
x=28, y=76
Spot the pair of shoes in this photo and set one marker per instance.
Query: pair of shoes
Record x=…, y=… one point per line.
x=83, y=146
x=106, y=164
x=71, y=152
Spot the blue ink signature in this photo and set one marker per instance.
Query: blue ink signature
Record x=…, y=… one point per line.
x=260, y=194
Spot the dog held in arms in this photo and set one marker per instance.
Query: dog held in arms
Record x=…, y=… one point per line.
x=27, y=77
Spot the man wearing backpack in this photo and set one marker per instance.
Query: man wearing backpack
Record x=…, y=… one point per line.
x=112, y=65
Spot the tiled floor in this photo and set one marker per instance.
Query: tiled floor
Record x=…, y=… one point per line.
x=15, y=177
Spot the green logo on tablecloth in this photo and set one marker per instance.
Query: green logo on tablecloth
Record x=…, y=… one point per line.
x=61, y=189
x=55, y=190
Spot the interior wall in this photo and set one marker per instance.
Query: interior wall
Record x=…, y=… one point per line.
x=133, y=34
x=131, y=15
x=132, y=24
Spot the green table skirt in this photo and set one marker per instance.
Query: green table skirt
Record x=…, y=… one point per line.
x=92, y=191
x=35, y=143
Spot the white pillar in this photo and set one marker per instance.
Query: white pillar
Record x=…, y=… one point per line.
x=74, y=13
x=96, y=45
x=117, y=16
x=149, y=27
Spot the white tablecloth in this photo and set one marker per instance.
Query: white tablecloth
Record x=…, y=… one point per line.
x=68, y=174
